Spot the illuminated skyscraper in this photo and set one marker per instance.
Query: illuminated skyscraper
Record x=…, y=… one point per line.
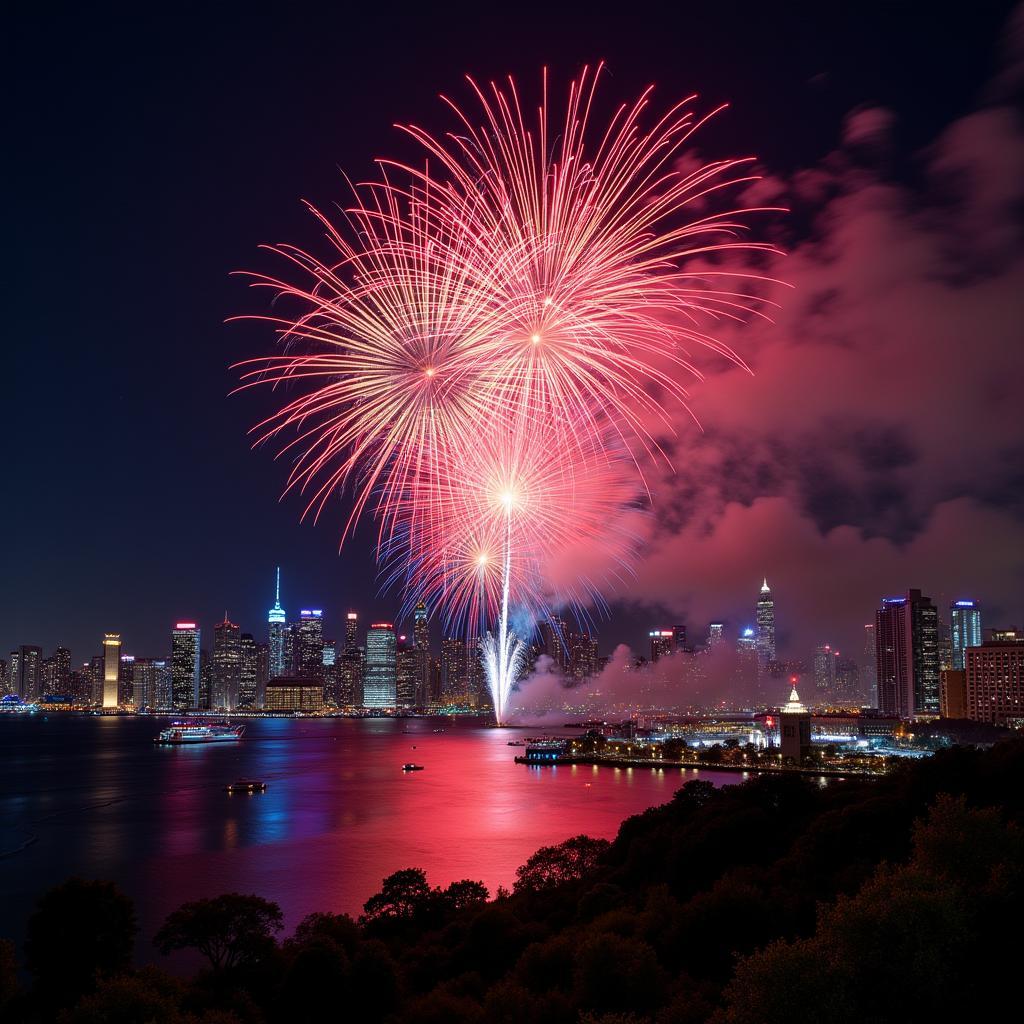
x=716, y=635
x=582, y=656
x=185, y=647
x=453, y=670
x=277, y=634
x=965, y=624
x=126, y=681
x=406, y=673
x=351, y=632
x=907, y=642
x=869, y=665
x=995, y=681
x=226, y=666
x=765, y=627
x=147, y=678
x=111, y=668
x=554, y=638
x=247, y=671
x=308, y=644
x=824, y=669
x=26, y=672
x=662, y=642
x=380, y=683
x=421, y=636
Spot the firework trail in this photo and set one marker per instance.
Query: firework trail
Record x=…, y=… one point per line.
x=491, y=355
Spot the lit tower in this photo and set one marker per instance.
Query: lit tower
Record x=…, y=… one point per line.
x=185, y=648
x=277, y=629
x=111, y=668
x=765, y=627
x=227, y=665
x=421, y=636
x=965, y=623
x=380, y=683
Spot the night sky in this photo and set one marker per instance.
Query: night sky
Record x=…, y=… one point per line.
x=879, y=446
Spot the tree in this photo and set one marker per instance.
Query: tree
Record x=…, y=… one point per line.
x=461, y=895
x=229, y=930
x=129, y=999
x=557, y=865
x=80, y=932
x=401, y=895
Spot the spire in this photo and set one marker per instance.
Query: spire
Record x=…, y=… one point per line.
x=764, y=586
x=277, y=589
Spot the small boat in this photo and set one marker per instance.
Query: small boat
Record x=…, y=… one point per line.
x=410, y=767
x=516, y=743
x=246, y=786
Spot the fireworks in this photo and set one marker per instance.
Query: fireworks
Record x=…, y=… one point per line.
x=488, y=360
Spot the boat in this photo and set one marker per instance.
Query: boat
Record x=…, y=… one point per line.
x=246, y=786
x=200, y=732
x=516, y=743
x=410, y=767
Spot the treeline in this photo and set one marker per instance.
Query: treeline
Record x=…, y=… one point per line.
x=779, y=900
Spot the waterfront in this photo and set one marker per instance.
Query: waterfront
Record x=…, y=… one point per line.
x=93, y=796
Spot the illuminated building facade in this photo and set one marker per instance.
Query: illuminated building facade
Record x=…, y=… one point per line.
x=907, y=643
x=25, y=672
x=965, y=628
x=111, y=668
x=185, y=648
x=869, y=666
x=953, y=693
x=226, y=666
x=662, y=642
x=277, y=634
x=765, y=627
x=308, y=644
x=291, y=693
x=995, y=681
x=421, y=638
x=380, y=682
x=248, y=670
x=794, y=729
x=405, y=674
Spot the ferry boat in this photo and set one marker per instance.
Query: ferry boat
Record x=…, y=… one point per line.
x=200, y=732
x=246, y=786
x=410, y=767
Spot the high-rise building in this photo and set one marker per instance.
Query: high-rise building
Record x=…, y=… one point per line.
x=679, y=637
x=582, y=656
x=308, y=644
x=945, y=646
x=205, y=679
x=848, y=688
x=662, y=642
x=907, y=642
x=421, y=637
x=746, y=662
x=96, y=673
x=147, y=675
x=824, y=669
x=330, y=672
x=26, y=672
x=111, y=668
x=405, y=673
x=351, y=632
x=262, y=673
x=126, y=681
x=5, y=677
x=965, y=627
x=59, y=671
x=869, y=666
x=453, y=670
x=277, y=634
x=290, y=693
x=953, y=693
x=553, y=635
x=716, y=635
x=765, y=627
x=380, y=683
x=248, y=669
x=350, y=678
x=995, y=681
x=185, y=658
x=226, y=666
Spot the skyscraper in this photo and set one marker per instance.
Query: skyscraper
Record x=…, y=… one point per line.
x=277, y=634
x=965, y=624
x=111, y=668
x=308, y=644
x=716, y=635
x=765, y=627
x=995, y=681
x=227, y=666
x=453, y=670
x=824, y=669
x=26, y=672
x=185, y=648
x=126, y=681
x=869, y=666
x=554, y=635
x=746, y=663
x=61, y=671
x=406, y=673
x=421, y=636
x=662, y=642
x=380, y=683
x=351, y=632
x=146, y=674
x=907, y=643
x=247, y=671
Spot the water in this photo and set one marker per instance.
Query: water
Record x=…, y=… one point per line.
x=93, y=796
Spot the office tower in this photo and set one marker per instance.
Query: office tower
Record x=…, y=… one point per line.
x=995, y=681
x=350, y=678
x=56, y=672
x=164, y=699
x=248, y=667
x=145, y=683
x=435, y=694
x=824, y=669
x=405, y=685
x=262, y=673
x=26, y=672
x=277, y=633
x=965, y=629
x=126, y=681
x=453, y=670
x=421, y=637
x=185, y=658
x=476, y=678
x=226, y=666
x=80, y=685
x=329, y=672
x=553, y=635
x=661, y=643
x=847, y=681
x=952, y=693
x=794, y=729
x=308, y=644
x=205, y=680
x=582, y=656
x=380, y=683
x=5, y=677
x=679, y=638
x=945, y=646
x=746, y=663
x=351, y=632
x=96, y=672
x=765, y=627
x=907, y=638
x=869, y=666
x=111, y=668
x=716, y=635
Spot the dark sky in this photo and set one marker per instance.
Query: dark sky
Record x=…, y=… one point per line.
x=152, y=153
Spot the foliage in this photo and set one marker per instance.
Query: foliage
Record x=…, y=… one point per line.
x=553, y=866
